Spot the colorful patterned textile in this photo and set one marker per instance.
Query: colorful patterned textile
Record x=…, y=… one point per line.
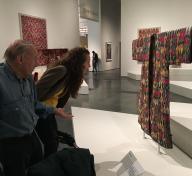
x=140, y=49
x=154, y=113
x=53, y=55
x=148, y=32
x=42, y=59
x=146, y=90
x=50, y=56
x=34, y=30
x=143, y=103
x=179, y=46
x=159, y=109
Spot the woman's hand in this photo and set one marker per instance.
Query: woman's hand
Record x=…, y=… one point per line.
x=60, y=112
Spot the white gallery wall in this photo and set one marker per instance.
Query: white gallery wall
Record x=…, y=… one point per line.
x=136, y=14
x=110, y=32
x=61, y=17
x=94, y=37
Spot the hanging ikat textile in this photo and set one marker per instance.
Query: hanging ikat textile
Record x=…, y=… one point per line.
x=33, y=29
x=169, y=48
x=148, y=32
x=140, y=49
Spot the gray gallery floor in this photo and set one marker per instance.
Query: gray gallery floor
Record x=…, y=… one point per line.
x=109, y=91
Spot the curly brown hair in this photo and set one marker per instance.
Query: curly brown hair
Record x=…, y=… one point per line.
x=74, y=61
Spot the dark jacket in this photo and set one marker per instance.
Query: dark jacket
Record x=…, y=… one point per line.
x=68, y=162
x=1, y=170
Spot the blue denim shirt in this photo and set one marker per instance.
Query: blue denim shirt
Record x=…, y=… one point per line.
x=18, y=104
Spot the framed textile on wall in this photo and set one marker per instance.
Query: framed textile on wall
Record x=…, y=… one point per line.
x=147, y=32
x=84, y=41
x=108, y=48
x=33, y=29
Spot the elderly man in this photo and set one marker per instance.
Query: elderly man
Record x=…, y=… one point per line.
x=20, y=146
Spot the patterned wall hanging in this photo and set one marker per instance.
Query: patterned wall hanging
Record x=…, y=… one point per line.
x=147, y=32
x=33, y=29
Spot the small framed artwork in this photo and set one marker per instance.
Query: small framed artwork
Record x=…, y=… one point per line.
x=108, y=49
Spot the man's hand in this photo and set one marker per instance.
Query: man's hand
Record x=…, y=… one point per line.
x=60, y=112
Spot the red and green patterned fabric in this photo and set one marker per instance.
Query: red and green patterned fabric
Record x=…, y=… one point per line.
x=168, y=48
x=140, y=49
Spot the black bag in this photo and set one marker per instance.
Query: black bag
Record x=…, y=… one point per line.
x=1, y=170
x=68, y=162
x=66, y=138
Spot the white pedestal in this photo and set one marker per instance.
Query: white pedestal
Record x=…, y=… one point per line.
x=181, y=126
x=110, y=136
x=183, y=88
x=134, y=75
x=84, y=89
x=181, y=74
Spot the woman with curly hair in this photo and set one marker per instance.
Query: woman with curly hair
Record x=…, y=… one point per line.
x=62, y=80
